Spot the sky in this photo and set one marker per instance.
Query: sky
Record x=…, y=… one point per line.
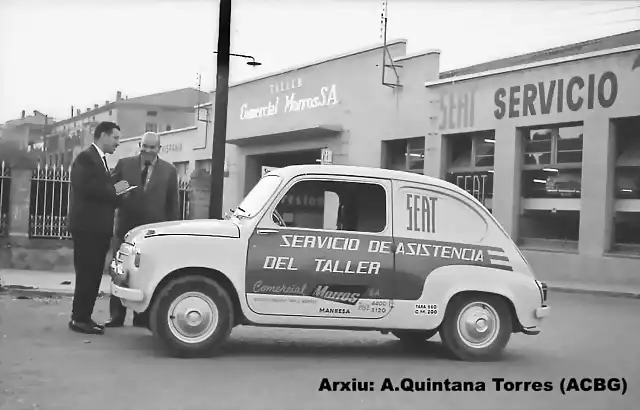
x=55, y=54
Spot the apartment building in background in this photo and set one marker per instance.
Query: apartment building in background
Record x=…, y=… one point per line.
x=28, y=130
x=158, y=112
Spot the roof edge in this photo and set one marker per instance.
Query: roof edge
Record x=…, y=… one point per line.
x=539, y=55
x=536, y=64
x=128, y=101
x=419, y=54
x=163, y=133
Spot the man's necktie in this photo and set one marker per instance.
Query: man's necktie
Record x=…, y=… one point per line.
x=144, y=174
x=104, y=159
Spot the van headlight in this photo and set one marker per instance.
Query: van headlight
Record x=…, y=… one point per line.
x=118, y=273
x=126, y=248
x=136, y=257
x=543, y=290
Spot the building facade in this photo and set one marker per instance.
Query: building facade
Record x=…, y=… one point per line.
x=27, y=132
x=156, y=112
x=553, y=150
x=549, y=142
x=338, y=106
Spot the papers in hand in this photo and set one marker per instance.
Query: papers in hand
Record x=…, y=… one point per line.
x=128, y=189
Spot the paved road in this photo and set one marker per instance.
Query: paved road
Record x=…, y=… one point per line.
x=45, y=366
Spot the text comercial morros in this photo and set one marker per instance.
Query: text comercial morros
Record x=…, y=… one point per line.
x=327, y=97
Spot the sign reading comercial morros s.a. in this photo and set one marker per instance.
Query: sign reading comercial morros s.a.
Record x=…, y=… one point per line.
x=291, y=101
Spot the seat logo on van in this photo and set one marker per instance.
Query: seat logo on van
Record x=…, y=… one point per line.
x=348, y=294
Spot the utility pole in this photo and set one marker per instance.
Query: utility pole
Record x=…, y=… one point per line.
x=220, y=113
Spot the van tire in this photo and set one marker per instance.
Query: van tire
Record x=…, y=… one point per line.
x=414, y=337
x=212, y=310
x=459, y=342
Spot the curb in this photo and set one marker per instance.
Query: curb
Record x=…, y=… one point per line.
x=34, y=292
x=41, y=293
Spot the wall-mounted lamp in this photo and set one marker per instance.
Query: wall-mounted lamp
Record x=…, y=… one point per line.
x=252, y=63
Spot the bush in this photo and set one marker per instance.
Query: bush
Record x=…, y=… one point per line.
x=13, y=155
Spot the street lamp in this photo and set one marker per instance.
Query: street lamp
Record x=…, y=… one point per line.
x=220, y=109
x=253, y=61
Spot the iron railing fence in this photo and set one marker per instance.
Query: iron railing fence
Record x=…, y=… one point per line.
x=49, y=207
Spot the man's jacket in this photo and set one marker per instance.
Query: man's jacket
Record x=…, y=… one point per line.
x=156, y=202
x=93, y=199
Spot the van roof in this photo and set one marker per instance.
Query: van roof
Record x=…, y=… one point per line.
x=370, y=172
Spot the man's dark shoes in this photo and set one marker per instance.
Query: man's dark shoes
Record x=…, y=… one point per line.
x=115, y=322
x=97, y=324
x=85, y=327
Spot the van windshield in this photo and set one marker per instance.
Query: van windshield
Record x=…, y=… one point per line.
x=258, y=196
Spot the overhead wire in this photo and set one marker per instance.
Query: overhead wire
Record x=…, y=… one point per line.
x=612, y=10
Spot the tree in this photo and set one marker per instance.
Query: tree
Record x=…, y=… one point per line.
x=12, y=155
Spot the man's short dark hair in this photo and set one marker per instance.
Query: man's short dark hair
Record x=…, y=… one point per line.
x=105, y=126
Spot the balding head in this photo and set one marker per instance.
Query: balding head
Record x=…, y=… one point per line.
x=149, y=146
x=150, y=139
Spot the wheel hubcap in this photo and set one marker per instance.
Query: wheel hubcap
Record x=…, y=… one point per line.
x=478, y=325
x=193, y=317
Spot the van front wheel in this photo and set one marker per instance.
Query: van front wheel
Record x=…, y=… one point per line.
x=476, y=327
x=192, y=316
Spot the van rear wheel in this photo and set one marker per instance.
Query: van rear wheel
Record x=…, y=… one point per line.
x=476, y=327
x=192, y=316
x=414, y=337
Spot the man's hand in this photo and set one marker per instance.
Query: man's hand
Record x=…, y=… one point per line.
x=121, y=186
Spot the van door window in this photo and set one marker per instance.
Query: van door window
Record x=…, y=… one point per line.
x=335, y=205
x=329, y=242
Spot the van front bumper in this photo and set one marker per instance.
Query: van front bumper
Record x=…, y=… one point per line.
x=542, y=312
x=132, y=295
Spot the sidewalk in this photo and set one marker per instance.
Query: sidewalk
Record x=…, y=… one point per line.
x=43, y=283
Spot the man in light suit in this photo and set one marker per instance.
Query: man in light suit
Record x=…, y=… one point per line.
x=93, y=199
x=154, y=200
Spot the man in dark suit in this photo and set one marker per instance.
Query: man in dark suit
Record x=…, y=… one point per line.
x=154, y=200
x=92, y=203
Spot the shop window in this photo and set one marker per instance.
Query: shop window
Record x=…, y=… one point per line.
x=203, y=164
x=551, y=186
x=552, y=162
x=626, y=223
x=151, y=127
x=182, y=169
x=334, y=205
x=404, y=155
x=470, y=159
x=549, y=229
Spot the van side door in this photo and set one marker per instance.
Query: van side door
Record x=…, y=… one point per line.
x=323, y=249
